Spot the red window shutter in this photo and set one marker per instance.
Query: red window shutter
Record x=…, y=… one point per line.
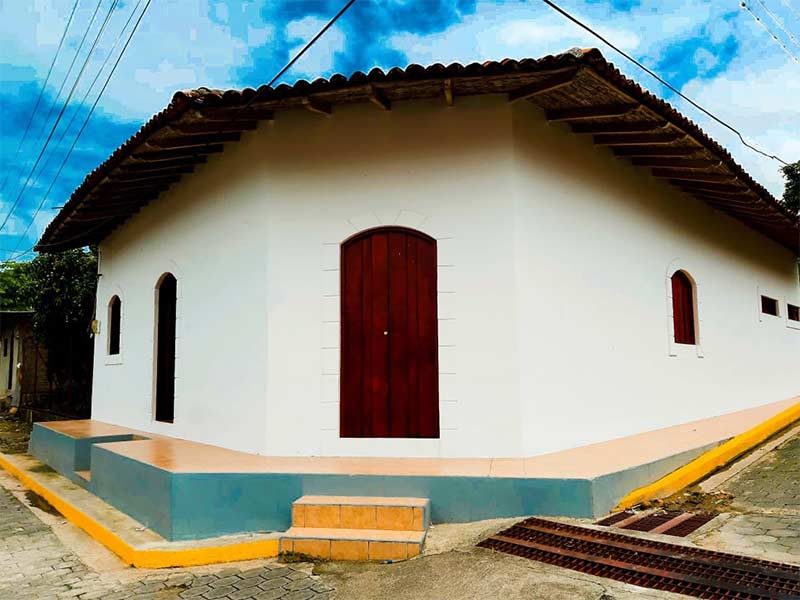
x=683, y=308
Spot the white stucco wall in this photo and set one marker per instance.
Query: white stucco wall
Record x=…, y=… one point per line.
x=553, y=263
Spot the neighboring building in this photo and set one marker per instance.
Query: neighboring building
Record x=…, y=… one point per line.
x=497, y=260
x=23, y=363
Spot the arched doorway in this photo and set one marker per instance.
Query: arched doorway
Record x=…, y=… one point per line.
x=389, y=338
x=166, y=304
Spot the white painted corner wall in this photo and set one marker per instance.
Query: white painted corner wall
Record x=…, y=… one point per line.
x=552, y=257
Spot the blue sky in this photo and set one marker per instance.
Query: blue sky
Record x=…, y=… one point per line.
x=714, y=51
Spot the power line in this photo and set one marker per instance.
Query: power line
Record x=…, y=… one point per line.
x=769, y=32
x=86, y=120
x=41, y=93
x=791, y=8
x=288, y=65
x=778, y=22
x=83, y=126
x=60, y=114
x=671, y=87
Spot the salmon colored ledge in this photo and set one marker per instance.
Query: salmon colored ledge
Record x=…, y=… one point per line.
x=150, y=559
x=711, y=460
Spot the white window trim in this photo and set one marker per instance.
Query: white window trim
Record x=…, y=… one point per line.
x=764, y=317
x=789, y=323
x=114, y=359
x=675, y=349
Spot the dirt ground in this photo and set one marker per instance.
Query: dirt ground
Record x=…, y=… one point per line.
x=14, y=435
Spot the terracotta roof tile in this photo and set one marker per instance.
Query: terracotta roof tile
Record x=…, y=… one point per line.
x=173, y=141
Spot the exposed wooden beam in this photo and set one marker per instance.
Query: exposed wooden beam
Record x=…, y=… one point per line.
x=590, y=112
x=655, y=151
x=317, y=106
x=744, y=197
x=206, y=127
x=694, y=176
x=696, y=186
x=226, y=113
x=681, y=163
x=146, y=175
x=636, y=139
x=733, y=210
x=132, y=166
x=447, y=86
x=150, y=180
x=619, y=127
x=191, y=141
x=114, y=189
x=549, y=84
x=378, y=98
x=158, y=155
x=103, y=217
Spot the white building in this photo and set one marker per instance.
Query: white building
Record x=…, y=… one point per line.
x=555, y=258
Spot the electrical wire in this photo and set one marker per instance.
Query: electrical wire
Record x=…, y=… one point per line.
x=83, y=126
x=668, y=85
x=86, y=121
x=41, y=94
x=778, y=22
x=60, y=114
x=769, y=32
x=791, y=8
x=288, y=65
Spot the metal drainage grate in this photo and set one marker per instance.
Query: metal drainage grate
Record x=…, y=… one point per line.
x=647, y=563
x=616, y=518
x=668, y=522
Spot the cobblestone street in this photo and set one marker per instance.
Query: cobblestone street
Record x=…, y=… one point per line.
x=766, y=496
x=35, y=564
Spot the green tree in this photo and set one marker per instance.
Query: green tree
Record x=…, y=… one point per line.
x=14, y=285
x=60, y=288
x=791, y=195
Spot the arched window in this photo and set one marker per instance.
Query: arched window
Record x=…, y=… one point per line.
x=166, y=302
x=683, y=303
x=114, y=316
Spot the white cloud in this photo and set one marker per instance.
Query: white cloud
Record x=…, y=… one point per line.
x=165, y=75
x=320, y=57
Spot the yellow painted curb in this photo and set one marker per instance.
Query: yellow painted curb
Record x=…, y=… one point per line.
x=149, y=558
x=711, y=460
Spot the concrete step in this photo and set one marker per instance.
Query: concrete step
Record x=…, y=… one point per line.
x=85, y=475
x=362, y=512
x=353, y=544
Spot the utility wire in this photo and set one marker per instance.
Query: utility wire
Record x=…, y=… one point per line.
x=288, y=65
x=769, y=32
x=671, y=87
x=60, y=114
x=86, y=121
x=41, y=93
x=40, y=136
x=791, y=8
x=72, y=120
x=779, y=23
x=277, y=76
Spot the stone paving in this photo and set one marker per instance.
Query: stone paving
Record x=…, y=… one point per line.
x=767, y=500
x=34, y=564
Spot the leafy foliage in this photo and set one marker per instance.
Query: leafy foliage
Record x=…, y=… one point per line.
x=14, y=286
x=60, y=288
x=791, y=195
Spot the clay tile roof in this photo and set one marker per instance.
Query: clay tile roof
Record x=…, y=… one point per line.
x=579, y=88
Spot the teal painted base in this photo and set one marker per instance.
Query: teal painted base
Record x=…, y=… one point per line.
x=184, y=506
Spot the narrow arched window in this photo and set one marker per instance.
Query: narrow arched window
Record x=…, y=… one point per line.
x=114, y=324
x=166, y=303
x=683, y=308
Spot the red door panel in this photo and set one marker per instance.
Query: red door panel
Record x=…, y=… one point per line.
x=389, y=362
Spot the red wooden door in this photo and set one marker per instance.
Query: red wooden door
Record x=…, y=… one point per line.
x=389, y=363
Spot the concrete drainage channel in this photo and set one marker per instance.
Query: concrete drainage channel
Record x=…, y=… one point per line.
x=647, y=563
